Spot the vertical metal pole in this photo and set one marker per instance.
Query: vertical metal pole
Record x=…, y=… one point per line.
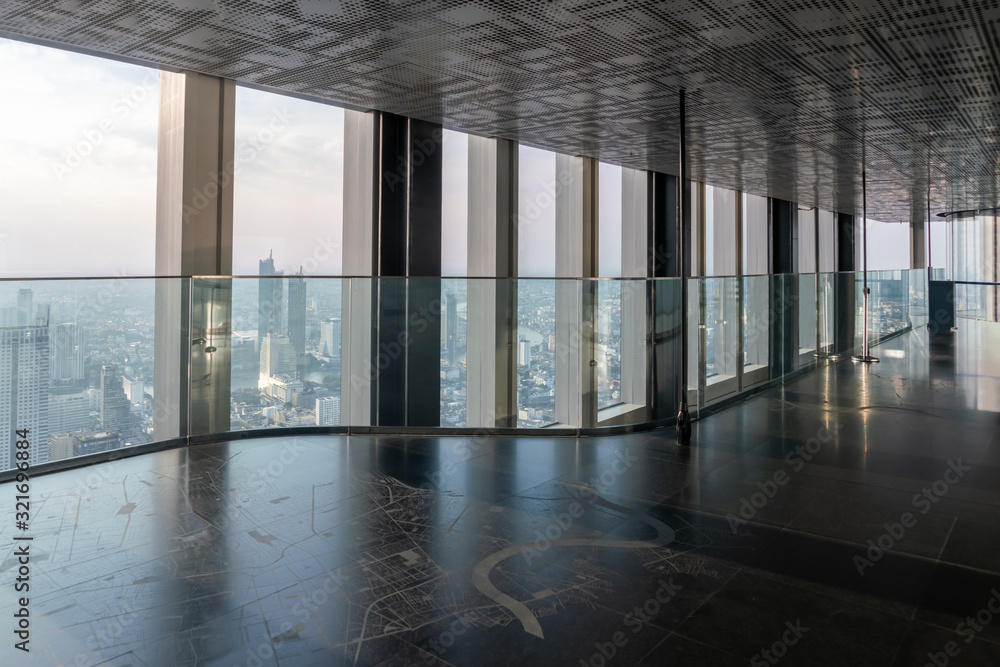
x=683, y=263
x=865, y=355
x=930, y=237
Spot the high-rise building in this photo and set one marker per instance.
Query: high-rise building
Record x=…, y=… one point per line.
x=115, y=409
x=328, y=411
x=8, y=316
x=329, y=337
x=24, y=387
x=135, y=389
x=297, y=313
x=524, y=352
x=69, y=410
x=277, y=357
x=270, y=304
x=66, y=360
x=79, y=443
x=450, y=328
x=25, y=310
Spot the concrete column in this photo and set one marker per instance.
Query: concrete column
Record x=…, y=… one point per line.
x=360, y=259
x=194, y=236
x=635, y=264
x=491, y=372
x=576, y=257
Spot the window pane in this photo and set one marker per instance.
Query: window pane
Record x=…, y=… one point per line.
x=609, y=221
x=536, y=212
x=536, y=353
x=609, y=343
x=288, y=188
x=888, y=246
x=454, y=325
x=77, y=164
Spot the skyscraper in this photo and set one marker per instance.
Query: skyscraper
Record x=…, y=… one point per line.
x=450, y=328
x=524, y=353
x=297, y=313
x=24, y=386
x=329, y=337
x=115, y=409
x=277, y=357
x=25, y=311
x=69, y=410
x=328, y=411
x=66, y=364
x=270, y=301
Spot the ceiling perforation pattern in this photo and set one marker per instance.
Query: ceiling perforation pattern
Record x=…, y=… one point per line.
x=781, y=92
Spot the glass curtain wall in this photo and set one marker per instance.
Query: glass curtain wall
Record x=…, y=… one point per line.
x=975, y=254
x=78, y=148
x=721, y=333
x=536, y=312
x=287, y=222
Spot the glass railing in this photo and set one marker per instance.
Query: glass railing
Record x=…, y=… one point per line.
x=96, y=365
x=977, y=300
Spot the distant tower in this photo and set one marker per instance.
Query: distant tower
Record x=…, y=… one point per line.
x=451, y=327
x=328, y=411
x=524, y=353
x=297, y=313
x=329, y=337
x=24, y=387
x=277, y=357
x=25, y=312
x=67, y=357
x=115, y=408
x=270, y=301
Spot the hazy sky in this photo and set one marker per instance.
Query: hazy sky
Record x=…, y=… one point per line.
x=77, y=164
x=289, y=184
x=78, y=180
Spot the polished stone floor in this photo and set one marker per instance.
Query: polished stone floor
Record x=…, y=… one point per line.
x=852, y=518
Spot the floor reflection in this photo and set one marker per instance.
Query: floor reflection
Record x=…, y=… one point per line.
x=453, y=551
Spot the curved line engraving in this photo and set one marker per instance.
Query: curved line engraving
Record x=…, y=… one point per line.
x=481, y=573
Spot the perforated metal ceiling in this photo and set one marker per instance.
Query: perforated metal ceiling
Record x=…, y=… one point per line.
x=780, y=92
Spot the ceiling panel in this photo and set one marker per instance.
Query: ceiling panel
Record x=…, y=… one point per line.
x=784, y=97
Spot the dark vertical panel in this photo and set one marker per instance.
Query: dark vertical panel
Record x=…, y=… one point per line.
x=845, y=243
x=844, y=296
x=423, y=295
x=784, y=288
x=424, y=205
x=663, y=225
x=407, y=354
x=664, y=295
x=391, y=195
x=389, y=350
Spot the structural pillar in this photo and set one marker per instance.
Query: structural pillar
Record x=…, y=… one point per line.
x=194, y=236
x=845, y=304
x=784, y=346
x=406, y=353
x=666, y=295
x=576, y=257
x=357, y=371
x=635, y=300
x=491, y=371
